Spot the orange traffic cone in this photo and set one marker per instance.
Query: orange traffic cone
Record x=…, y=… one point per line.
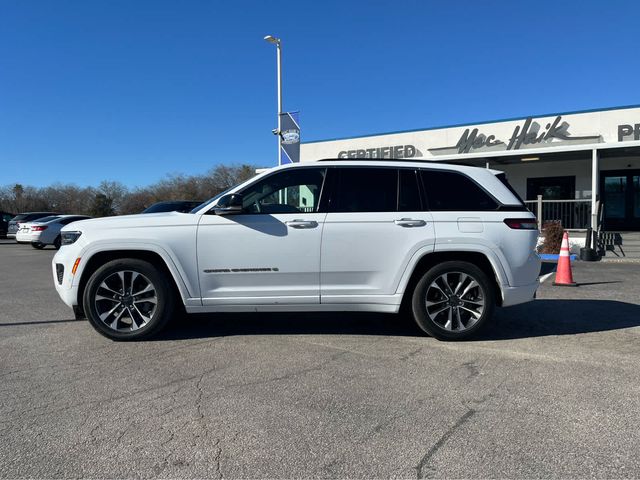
x=564, y=278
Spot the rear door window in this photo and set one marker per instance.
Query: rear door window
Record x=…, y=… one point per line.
x=362, y=189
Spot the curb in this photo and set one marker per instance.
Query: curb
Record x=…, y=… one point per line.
x=555, y=256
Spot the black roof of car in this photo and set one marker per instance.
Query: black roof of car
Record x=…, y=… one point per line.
x=28, y=214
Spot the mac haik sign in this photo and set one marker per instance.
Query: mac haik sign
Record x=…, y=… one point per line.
x=527, y=135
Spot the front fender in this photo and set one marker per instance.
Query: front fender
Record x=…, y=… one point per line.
x=186, y=288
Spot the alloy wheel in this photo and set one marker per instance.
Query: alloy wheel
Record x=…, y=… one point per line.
x=126, y=301
x=455, y=301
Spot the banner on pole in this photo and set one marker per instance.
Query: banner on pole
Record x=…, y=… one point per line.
x=290, y=134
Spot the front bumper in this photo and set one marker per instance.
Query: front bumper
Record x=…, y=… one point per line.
x=66, y=289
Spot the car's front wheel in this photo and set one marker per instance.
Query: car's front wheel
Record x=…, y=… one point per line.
x=128, y=299
x=453, y=300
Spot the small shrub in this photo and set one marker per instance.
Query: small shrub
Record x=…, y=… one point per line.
x=553, y=233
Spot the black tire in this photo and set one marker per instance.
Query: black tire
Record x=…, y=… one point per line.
x=157, y=318
x=78, y=313
x=57, y=242
x=450, y=303
x=37, y=245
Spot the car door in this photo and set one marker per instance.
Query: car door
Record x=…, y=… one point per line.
x=270, y=253
x=374, y=226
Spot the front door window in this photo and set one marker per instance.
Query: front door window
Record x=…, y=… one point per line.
x=291, y=191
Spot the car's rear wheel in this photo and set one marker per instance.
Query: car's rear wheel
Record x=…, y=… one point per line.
x=453, y=300
x=37, y=245
x=128, y=299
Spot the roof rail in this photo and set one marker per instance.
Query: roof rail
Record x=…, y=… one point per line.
x=367, y=160
x=417, y=160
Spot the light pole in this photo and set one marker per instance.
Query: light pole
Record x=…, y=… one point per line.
x=278, y=44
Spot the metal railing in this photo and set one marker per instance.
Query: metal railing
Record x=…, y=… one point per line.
x=572, y=214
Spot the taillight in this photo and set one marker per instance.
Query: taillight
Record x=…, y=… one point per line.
x=521, y=223
x=38, y=229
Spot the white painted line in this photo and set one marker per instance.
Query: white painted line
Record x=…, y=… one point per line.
x=543, y=278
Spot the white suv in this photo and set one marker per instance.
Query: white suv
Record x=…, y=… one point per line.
x=448, y=242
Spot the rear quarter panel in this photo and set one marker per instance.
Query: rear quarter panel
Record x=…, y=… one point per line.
x=486, y=232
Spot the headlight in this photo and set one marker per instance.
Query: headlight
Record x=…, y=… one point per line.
x=69, y=237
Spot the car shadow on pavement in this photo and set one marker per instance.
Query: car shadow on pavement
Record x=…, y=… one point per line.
x=561, y=317
x=285, y=323
x=540, y=318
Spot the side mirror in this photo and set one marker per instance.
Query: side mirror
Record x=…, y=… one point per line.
x=228, y=204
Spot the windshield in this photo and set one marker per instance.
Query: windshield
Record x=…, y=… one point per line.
x=211, y=200
x=173, y=206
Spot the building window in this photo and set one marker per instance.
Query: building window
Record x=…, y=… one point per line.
x=552, y=188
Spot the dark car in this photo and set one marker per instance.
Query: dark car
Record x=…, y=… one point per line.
x=5, y=218
x=184, y=206
x=15, y=222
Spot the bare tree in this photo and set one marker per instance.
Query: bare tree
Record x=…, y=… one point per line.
x=114, y=190
x=67, y=198
x=101, y=206
x=223, y=177
x=135, y=202
x=112, y=197
x=18, y=198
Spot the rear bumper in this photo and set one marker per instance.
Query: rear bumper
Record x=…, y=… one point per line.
x=517, y=295
x=27, y=237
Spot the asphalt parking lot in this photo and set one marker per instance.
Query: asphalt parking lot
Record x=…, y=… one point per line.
x=552, y=389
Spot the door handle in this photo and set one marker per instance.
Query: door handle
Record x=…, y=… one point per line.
x=302, y=224
x=410, y=222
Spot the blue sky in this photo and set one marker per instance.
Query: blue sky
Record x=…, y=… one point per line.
x=131, y=90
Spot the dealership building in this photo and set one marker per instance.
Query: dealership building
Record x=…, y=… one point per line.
x=582, y=168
